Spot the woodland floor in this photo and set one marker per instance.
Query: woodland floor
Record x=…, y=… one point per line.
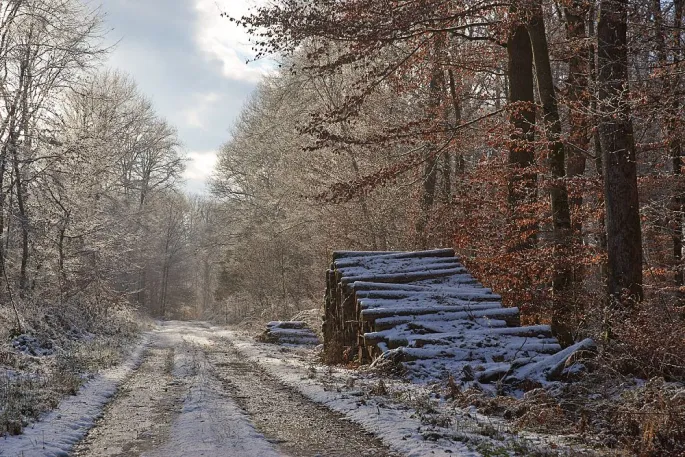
x=193, y=394
x=193, y=389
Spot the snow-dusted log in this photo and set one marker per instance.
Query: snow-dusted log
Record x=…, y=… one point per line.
x=510, y=315
x=393, y=254
x=425, y=310
x=551, y=367
x=540, y=332
x=427, y=288
x=360, y=270
x=365, y=262
x=289, y=332
x=371, y=313
x=287, y=325
x=404, y=277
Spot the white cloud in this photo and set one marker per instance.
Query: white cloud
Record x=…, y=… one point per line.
x=222, y=40
x=200, y=165
x=196, y=115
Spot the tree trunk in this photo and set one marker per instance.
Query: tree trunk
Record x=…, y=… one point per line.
x=561, y=217
x=459, y=164
x=3, y=170
x=369, y=223
x=675, y=148
x=624, y=235
x=23, y=219
x=579, y=103
x=430, y=168
x=429, y=179
x=523, y=182
x=601, y=220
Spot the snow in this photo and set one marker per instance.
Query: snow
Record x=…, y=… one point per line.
x=294, y=332
x=378, y=306
x=429, y=289
x=210, y=424
x=411, y=418
x=447, y=316
x=353, y=255
x=417, y=275
x=552, y=366
x=398, y=427
x=414, y=267
x=30, y=345
x=56, y=433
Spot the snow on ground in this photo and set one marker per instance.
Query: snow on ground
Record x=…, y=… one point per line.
x=398, y=428
x=57, y=432
x=411, y=418
x=210, y=423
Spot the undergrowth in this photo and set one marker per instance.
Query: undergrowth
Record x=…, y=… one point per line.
x=54, y=353
x=615, y=414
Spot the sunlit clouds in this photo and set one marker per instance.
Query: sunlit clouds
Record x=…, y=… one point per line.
x=198, y=170
x=197, y=114
x=192, y=64
x=224, y=41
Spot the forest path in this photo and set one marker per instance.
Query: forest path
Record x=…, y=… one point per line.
x=195, y=395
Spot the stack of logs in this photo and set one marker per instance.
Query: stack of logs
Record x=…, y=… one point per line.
x=426, y=309
x=289, y=332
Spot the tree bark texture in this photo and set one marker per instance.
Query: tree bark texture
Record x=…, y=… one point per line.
x=430, y=168
x=624, y=236
x=561, y=217
x=523, y=183
x=675, y=147
x=579, y=103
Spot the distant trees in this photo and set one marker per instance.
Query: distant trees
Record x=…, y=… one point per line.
x=277, y=235
x=391, y=125
x=87, y=168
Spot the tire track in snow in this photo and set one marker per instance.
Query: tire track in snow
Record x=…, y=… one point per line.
x=139, y=417
x=210, y=423
x=192, y=395
x=300, y=427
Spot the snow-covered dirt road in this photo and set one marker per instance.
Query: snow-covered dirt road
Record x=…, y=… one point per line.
x=191, y=393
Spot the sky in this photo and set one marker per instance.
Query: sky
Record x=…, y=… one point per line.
x=191, y=63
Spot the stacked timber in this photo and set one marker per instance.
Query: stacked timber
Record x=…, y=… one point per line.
x=425, y=309
x=289, y=332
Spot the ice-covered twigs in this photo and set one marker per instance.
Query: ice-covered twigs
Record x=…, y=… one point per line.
x=425, y=310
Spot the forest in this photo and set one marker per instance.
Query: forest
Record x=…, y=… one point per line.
x=541, y=140
x=92, y=212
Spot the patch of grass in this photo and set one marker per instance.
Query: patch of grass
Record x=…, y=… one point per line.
x=24, y=397
x=83, y=345
x=491, y=450
x=90, y=356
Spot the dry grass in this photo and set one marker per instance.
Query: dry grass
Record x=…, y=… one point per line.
x=616, y=414
x=81, y=342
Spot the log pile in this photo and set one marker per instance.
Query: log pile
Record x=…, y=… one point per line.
x=426, y=310
x=289, y=332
